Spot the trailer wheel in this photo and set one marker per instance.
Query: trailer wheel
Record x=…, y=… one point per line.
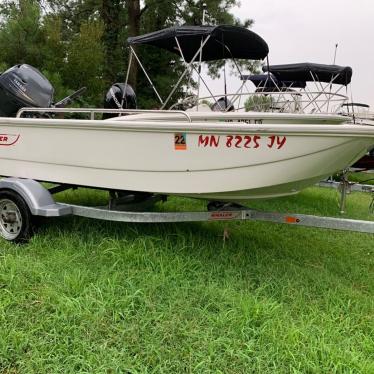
x=15, y=218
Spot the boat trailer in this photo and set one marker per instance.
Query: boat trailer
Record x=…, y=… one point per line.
x=21, y=200
x=345, y=187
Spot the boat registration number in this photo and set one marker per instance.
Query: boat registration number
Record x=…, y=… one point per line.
x=241, y=141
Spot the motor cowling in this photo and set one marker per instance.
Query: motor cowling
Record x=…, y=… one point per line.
x=23, y=86
x=119, y=96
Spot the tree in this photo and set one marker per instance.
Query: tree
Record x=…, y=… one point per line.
x=85, y=61
x=259, y=103
x=83, y=42
x=21, y=35
x=114, y=21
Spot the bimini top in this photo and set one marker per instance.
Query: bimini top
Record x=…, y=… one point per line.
x=224, y=42
x=362, y=105
x=270, y=82
x=303, y=72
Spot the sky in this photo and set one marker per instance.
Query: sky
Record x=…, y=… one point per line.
x=307, y=31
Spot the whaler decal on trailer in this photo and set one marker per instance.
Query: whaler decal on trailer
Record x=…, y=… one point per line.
x=241, y=141
x=8, y=139
x=225, y=215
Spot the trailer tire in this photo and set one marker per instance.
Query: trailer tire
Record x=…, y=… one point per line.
x=15, y=218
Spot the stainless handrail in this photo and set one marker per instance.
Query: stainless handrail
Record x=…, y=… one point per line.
x=93, y=111
x=298, y=97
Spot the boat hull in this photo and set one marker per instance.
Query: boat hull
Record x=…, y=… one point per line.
x=230, y=162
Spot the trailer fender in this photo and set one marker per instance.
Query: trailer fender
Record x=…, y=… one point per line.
x=37, y=197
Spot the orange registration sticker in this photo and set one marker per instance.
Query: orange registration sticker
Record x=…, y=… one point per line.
x=180, y=143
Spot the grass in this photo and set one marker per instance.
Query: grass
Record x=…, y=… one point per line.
x=367, y=178
x=88, y=296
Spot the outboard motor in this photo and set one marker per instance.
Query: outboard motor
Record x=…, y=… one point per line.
x=23, y=86
x=119, y=96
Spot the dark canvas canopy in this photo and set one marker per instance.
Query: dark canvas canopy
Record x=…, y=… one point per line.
x=271, y=82
x=225, y=42
x=302, y=72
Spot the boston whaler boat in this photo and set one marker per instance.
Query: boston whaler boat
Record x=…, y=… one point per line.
x=230, y=160
x=224, y=156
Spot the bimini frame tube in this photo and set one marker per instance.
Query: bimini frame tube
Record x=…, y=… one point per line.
x=127, y=79
x=147, y=76
x=128, y=67
x=328, y=95
x=200, y=58
x=185, y=72
x=197, y=71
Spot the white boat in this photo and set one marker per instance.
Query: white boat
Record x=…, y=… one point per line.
x=201, y=156
x=212, y=160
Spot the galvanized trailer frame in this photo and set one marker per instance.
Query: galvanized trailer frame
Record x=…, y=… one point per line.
x=23, y=199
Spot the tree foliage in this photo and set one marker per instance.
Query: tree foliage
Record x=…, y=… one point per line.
x=258, y=103
x=21, y=34
x=83, y=42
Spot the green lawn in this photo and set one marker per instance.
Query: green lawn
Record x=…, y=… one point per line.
x=90, y=296
x=367, y=178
